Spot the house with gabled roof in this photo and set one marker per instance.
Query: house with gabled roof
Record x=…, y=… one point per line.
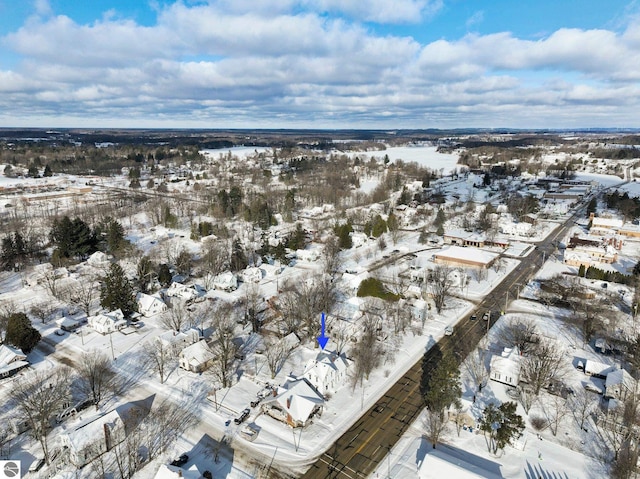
x=86, y=440
x=12, y=360
x=295, y=402
x=327, y=372
x=106, y=323
x=197, y=357
x=149, y=305
x=620, y=385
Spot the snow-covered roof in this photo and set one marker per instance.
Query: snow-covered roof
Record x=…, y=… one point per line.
x=10, y=354
x=85, y=433
x=324, y=364
x=179, y=290
x=197, y=354
x=472, y=254
x=225, y=281
x=508, y=363
x=620, y=376
x=597, y=368
x=438, y=464
x=172, y=472
x=188, y=337
x=148, y=303
x=297, y=398
x=11, y=359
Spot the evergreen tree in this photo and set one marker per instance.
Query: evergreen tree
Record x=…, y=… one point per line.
x=73, y=238
x=502, y=424
x=238, y=258
x=592, y=206
x=164, y=275
x=47, y=171
x=33, y=172
x=581, y=271
x=343, y=232
x=441, y=389
x=116, y=291
x=20, y=333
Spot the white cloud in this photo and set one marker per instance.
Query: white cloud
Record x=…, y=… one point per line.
x=281, y=65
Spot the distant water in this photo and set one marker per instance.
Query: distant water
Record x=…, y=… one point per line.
x=423, y=155
x=239, y=151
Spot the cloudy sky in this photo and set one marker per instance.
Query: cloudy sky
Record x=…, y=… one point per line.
x=320, y=63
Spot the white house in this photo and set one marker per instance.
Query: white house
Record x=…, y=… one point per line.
x=196, y=358
x=506, y=367
x=598, y=370
x=12, y=360
x=619, y=385
x=327, y=372
x=226, y=281
x=178, y=340
x=181, y=291
x=105, y=323
x=251, y=275
x=85, y=440
x=295, y=403
x=68, y=324
x=149, y=305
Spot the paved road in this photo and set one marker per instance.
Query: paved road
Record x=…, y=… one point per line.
x=358, y=452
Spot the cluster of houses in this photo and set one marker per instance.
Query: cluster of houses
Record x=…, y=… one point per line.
x=603, y=243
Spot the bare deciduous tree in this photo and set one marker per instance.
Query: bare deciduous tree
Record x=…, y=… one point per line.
x=440, y=285
x=521, y=333
x=83, y=294
x=555, y=409
x=476, y=365
x=159, y=355
x=582, y=404
x=367, y=352
x=543, y=365
x=176, y=316
x=215, y=256
x=95, y=376
x=38, y=397
x=276, y=351
x=223, y=345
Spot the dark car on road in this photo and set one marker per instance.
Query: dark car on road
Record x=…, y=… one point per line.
x=181, y=461
x=243, y=415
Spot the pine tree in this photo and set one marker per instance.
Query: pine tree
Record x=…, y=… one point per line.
x=116, y=291
x=47, y=171
x=502, y=424
x=164, y=275
x=20, y=333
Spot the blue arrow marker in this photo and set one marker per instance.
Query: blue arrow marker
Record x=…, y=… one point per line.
x=322, y=339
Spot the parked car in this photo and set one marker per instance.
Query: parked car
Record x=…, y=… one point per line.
x=448, y=330
x=473, y=317
x=59, y=332
x=181, y=461
x=243, y=415
x=485, y=317
x=36, y=465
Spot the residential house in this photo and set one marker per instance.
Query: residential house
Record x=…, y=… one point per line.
x=295, y=403
x=150, y=305
x=106, y=323
x=505, y=368
x=619, y=385
x=196, y=358
x=178, y=340
x=68, y=324
x=327, y=372
x=181, y=291
x=12, y=360
x=226, y=281
x=86, y=440
x=598, y=370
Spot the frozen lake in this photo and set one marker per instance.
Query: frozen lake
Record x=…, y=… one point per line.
x=239, y=151
x=423, y=155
